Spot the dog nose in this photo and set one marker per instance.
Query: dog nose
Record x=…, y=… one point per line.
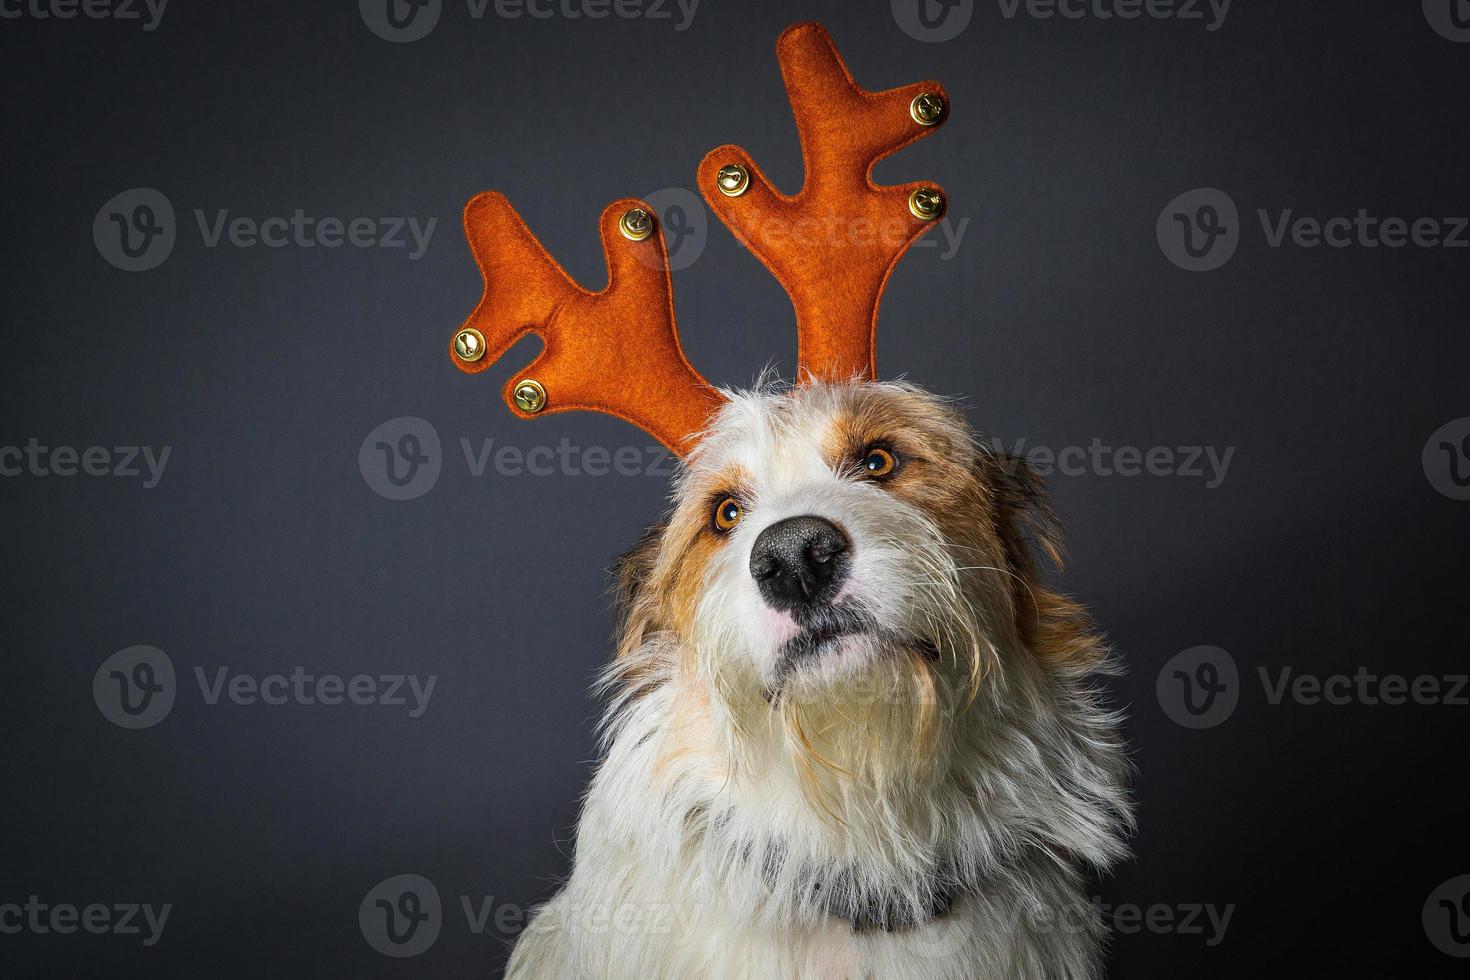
x=799, y=562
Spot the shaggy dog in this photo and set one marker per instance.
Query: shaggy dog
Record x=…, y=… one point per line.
x=852, y=732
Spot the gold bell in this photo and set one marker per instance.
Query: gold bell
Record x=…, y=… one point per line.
x=927, y=109
x=530, y=397
x=733, y=180
x=926, y=203
x=469, y=345
x=637, y=225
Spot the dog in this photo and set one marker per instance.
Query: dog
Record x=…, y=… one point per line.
x=852, y=732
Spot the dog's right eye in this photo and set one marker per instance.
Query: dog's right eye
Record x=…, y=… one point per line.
x=728, y=513
x=880, y=462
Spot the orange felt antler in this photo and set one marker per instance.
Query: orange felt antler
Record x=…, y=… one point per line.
x=834, y=244
x=616, y=351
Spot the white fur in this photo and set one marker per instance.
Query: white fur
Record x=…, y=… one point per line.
x=708, y=821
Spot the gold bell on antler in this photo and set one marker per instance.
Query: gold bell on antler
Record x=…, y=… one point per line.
x=469, y=345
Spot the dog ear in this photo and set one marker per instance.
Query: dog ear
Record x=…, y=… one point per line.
x=631, y=573
x=1058, y=631
x=1025, y=513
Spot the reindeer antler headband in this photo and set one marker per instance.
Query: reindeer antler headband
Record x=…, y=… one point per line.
x=832, y=246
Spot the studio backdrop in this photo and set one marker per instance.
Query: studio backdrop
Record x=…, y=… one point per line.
x=300, y=622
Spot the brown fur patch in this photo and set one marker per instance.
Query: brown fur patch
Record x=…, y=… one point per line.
x=660, y=582
x=992, y=511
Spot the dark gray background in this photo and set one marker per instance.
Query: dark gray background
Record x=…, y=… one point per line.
x=1326, y=548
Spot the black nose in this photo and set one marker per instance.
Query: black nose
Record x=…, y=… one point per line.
x=799, y=563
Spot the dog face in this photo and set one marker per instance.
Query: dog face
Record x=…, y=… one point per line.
x=849, y=556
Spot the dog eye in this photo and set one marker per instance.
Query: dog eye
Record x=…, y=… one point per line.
x=879, y=463
x=727, y=514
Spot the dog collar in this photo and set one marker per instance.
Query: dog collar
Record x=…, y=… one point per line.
x=893, y=915
x=891, y=911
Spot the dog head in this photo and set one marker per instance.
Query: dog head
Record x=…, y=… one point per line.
x=849, y=560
